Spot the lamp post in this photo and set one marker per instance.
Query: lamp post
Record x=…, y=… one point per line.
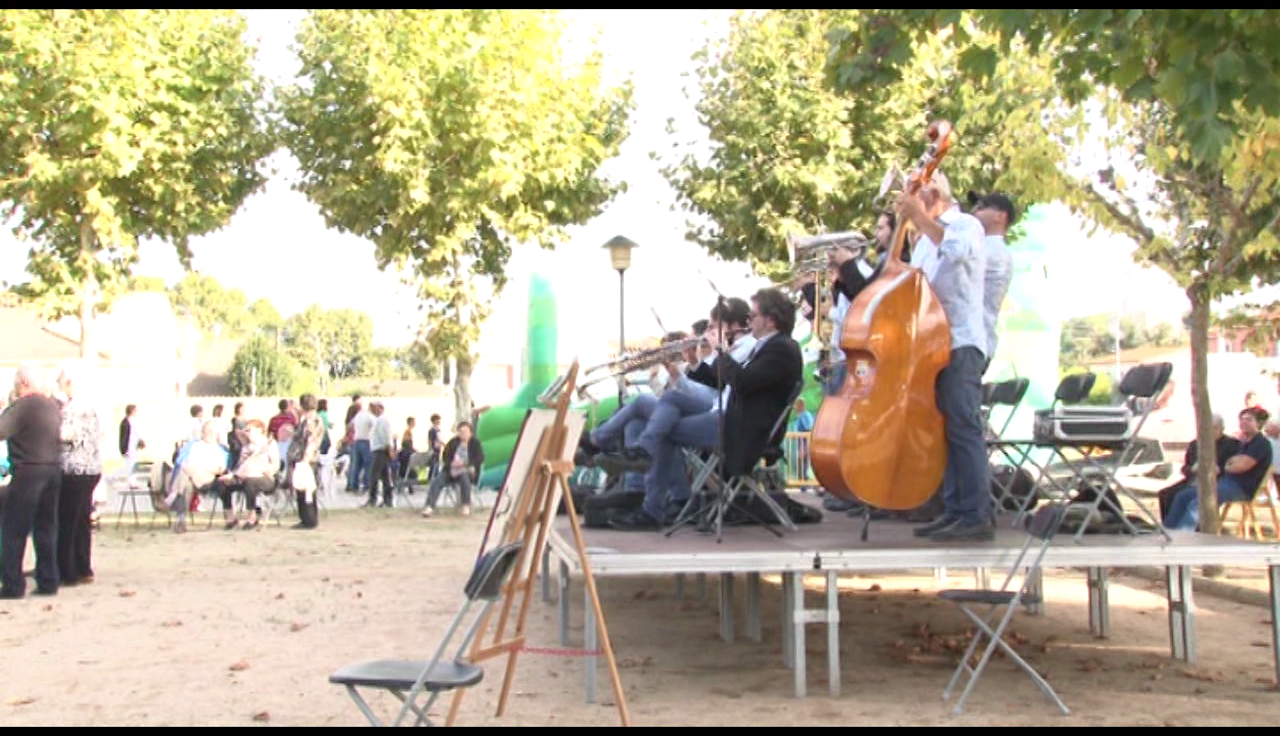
x=620, y=258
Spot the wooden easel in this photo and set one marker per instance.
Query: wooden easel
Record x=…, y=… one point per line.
x=531, y=519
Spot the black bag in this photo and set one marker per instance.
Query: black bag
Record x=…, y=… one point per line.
x=1013, y=485
x=1088, y=490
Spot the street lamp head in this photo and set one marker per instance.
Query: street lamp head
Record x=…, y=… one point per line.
x=620, y=252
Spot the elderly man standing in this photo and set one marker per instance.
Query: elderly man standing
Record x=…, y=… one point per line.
x=32, y=425
x=380, y=440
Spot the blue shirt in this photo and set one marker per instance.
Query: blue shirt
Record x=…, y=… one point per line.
x=956, y=269
x=803, y=422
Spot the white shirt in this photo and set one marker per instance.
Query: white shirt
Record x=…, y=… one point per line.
x=363, y=423
x=995, y=285
x=196, y=433
x=956, y=269
x=380, y=436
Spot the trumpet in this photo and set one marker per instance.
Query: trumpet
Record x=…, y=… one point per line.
x=813, y=252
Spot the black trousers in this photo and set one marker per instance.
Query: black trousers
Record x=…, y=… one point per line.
x=75, y=540
x=30, y=511
x=308, y=512
x=381, y=475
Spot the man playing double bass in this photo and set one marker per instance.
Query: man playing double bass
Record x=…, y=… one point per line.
x=951, y=255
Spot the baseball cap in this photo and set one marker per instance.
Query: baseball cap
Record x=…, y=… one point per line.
x=995, y=201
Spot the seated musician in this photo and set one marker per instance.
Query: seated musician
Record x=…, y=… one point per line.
x=1226, y=448
x=758, y=387
x=1241, y=476
x=852, y=276
x=254, y=474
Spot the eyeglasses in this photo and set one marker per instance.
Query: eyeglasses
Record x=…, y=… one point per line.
x=752, y=315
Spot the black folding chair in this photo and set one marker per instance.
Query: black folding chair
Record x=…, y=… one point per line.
x=1000, y=606
x=1006, y=395
x=407, y=679
x=714, y=495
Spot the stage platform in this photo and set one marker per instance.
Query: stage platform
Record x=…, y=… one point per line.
x=834, y=546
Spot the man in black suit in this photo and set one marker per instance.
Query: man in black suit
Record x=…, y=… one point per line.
x=759, y=388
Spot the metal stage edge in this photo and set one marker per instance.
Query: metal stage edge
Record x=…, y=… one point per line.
x=752, y=552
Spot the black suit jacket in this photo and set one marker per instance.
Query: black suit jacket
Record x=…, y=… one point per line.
x=762, y=389
x=702, y=373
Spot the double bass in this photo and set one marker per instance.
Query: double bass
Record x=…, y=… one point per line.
x=881, y=439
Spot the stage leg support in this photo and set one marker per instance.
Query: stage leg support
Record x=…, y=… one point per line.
x=1273, y=573
x=1037, y=590
x=679, y=587
x=794, y=618
x=726, y=607
x=590, y=642
x=1182, y=637
x=564, y=603
x=754, y=632
x=1099, y=603
x=833, y=632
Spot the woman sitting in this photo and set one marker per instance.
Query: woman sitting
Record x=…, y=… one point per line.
x=254, y=474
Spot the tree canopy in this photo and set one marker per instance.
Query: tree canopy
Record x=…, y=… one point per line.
x=445, y=137
x=118, y=125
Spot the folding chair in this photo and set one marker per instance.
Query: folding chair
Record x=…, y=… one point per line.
x=1248, y=528
x=713, y=495
x=407, y=679
x=1071, y=390
x=995, y=395
x=1041, y=529
x=1142, y=382
x=132, y=487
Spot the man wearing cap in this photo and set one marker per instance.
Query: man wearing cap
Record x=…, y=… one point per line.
x=952, y=256
x=997, y=215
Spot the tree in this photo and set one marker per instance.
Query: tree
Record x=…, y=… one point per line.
x=118, y=125
x=258, y=369
x=445, y=137
x=264, y=317
x=147, y=283
x=792, y=155
x=416, y=361
x=220, y=312
x=1191, y=156
x=333, y=344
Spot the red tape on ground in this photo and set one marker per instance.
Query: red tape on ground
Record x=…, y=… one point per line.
x=562, y=652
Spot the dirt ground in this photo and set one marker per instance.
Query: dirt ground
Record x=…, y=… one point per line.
x=243, y=627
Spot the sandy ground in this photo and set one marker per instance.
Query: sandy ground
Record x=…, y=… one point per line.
x=243, y=628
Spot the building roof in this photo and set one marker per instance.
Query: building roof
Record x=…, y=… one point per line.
x=28, y=338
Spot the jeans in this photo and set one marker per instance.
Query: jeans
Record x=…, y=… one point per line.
x=671, y=408
x=966, y=483
x=30, y=511
x=1184, y=511
x=463, y=482
x=361, y=465
x=701, y=430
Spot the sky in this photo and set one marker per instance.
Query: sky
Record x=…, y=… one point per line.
x=278, y=246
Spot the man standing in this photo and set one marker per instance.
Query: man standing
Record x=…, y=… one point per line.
x=952, y=256
x=32, y=425
x=130, y=440
x=361, y=456
x=997, y=215
x=380, y=449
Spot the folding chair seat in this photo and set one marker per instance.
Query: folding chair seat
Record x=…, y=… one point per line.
x=409, y=679
x=1083, y=430
x=713, y=494
x=1000, y=606
x=133, y=487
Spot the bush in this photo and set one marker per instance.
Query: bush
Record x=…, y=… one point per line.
x=275, y=373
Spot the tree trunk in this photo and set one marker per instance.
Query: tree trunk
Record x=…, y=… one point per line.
x=462, y=389
x=88, y=292
x=1206, y=460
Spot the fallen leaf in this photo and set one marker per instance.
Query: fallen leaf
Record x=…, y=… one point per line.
x=1090, y=665
x=171, y=624
x=1259, y=644
x=128, y=593
x=1157, y=677
x=358, y=582
x=19, y=701
x=324, y=580
x=296, y=627
x=874, y=588
x=240, y=666
x=1203, y=676
x=359, y=594
x=262, y=717
x=279, y=596
x=47, y=607
x=1201, y=690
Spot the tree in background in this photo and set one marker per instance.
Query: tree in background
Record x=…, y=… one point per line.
x=220, y=312
x=258, y=369
x=264, y=317
x=1191, y=161
x=118, y=125
x=446, y=136
x=793, y=155
x=331, y=343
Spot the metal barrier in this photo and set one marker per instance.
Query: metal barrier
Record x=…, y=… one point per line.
x=795, y=455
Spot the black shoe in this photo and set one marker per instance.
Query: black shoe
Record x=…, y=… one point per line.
x=11, y=595
x=371, y=503
x=941, y=522
x=46, y=591
x=385, y=505
x=300, y=525
x=965, y=531
x=637, y=455
x=834, y=503
x=634, y=520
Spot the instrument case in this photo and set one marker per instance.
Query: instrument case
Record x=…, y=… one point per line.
x=1083, y=424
